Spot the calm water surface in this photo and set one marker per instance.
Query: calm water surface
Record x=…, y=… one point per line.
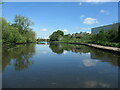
x=59, y=66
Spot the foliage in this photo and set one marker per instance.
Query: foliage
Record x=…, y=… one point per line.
x=110, y=38
x=107, y=43
x=22, y=23
x=56, y=36
x=18, y=32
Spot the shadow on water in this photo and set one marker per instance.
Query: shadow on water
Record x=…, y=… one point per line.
x=20, y=54
x=101, y=55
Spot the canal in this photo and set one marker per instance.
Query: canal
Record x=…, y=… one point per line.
x=59, y=65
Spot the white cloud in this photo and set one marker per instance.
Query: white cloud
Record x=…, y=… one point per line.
x=100, y=0
x=82, y=16
x=85, y=28
x=43, y=37
x=104, y=11
x=97, y=2
x=90, y=21
x=80, y=3
x=94, y=84
x=60, y=0
x=46, y=37
x=65, y=30
x=89, y=32
x=44, y=29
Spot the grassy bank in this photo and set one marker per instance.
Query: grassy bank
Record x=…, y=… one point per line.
x=97, y=43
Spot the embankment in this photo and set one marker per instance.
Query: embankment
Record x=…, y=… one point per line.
x=115, y=49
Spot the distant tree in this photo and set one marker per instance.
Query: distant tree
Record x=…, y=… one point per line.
x=112, y=35
x=60, y=32
x=56, y=36
x=101, y=36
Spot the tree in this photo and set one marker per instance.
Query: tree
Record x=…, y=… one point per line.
x=101, y=36
x=22, y=23
x=19, y=32
x=112, y=35
x=56, y=36
x=60, y=32
x=5, y=29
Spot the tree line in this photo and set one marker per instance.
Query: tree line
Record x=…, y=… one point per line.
x=109, y=38
x=17, y=32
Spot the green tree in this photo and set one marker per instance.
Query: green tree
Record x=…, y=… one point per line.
x=22, y=23
x=19, y=32
x=60, y=32
x=101, y=36
x=5, y=29
x=112, y=35
x=56, y=36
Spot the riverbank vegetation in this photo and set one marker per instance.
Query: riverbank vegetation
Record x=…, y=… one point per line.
x=110, y=38
x=17, y=32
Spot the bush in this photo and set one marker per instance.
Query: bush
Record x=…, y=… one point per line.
x=107, y=43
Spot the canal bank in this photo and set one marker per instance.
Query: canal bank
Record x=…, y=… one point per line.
x=104, y=47
x=114, y=49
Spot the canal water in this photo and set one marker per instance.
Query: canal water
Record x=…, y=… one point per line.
x=58, y=65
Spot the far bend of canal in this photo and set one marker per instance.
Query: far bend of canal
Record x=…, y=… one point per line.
x=58, y=65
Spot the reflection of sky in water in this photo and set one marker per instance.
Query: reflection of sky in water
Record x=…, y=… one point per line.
x=88, y=62
x=94, y=84
x=65, y=52
x=43, y=52
x=42, y=49
x=85, y=54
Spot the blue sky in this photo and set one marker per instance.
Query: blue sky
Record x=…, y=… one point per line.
x=70, y=17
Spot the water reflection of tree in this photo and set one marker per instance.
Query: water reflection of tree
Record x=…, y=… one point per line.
x=20, y=55
x=0, y=57
x=56, y=48
x=60, y=47
x=101, y=55
x=106, y=57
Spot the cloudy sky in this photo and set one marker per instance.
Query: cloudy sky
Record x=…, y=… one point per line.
x=70, y=17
